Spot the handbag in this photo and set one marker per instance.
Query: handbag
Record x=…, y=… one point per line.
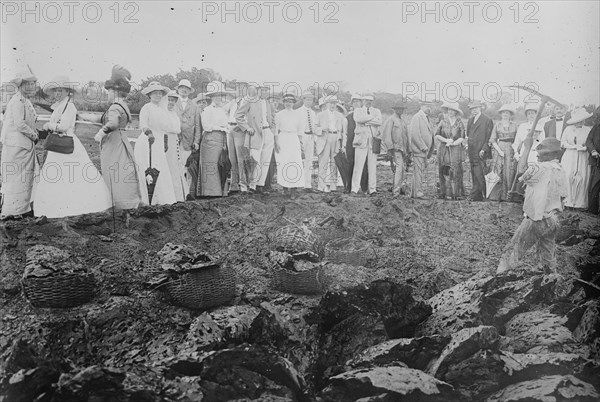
x=60, y=144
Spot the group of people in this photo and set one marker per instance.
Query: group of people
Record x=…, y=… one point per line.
x=228, y=141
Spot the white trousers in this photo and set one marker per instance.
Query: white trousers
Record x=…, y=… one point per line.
x=360, y=156
x=263, y=156
x=307, y=142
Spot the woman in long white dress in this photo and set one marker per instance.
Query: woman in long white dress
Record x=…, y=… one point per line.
x=18, y=137
x=154, y=124
x=69, y=184
x=575, y=159
x=288, y=151
x=173, y=150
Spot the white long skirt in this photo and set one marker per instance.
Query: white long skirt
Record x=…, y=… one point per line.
x=578, y=193
x=290, y=168
x=174, y=155
x=69, y=185
x=164, y=192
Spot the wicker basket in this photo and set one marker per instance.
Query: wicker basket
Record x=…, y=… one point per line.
x=202, y=288
x=348, y=251
x=304, y=283
x=293, y=239
x=59, y=290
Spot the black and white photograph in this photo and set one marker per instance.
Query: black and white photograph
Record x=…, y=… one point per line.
x=304, y=201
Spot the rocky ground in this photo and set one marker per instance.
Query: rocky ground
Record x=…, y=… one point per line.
x=415, y=317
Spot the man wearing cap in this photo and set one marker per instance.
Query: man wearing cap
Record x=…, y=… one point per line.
x=255, y=118
x=357, y=102
x=189, y=115
x=329, y=129
x=307, y=137
x=546, y=188
x=235, y=141
x=368, y=120
x=420, y=132
x=554, y=127
x=479, y=131
x=395, y=138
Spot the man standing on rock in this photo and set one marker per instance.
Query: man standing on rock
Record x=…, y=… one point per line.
x=235, y=142
x=256, y=119
x=368, y=120
x=420, y=132
x=307, y=138
x=191, y=128
x=479, y=131
x=546, y=189
x=395, y=138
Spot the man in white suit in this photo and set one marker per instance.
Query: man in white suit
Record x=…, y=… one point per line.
x=368, y=119
x=307, y=137
x=420, y=133
x=330, y=128
x=191, y=127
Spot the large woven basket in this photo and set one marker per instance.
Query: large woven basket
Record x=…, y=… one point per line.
x=304, y=283
x=60, y=290
x=202, y=288
x=348, y=251
x=293, y=239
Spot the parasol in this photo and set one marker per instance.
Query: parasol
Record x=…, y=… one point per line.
x=224, y=166
x=576, y=179
x=344, y=167
x=491, y=179
x=151, y=176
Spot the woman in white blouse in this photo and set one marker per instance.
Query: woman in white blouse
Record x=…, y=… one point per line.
x=289, y=125
x=69, y=184
x=575, y=159
x=213, y=142
x=154, y=123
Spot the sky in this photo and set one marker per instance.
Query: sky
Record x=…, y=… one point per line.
x=426, y=49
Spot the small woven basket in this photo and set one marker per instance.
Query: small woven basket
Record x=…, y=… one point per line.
x=60, y=290
x=202, y=288
x=348, y=251
x=303, y=283
x=293, y=239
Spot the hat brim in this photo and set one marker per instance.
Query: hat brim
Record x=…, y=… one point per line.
x=507, y=110
x=215, y=93
x=192, y=90
x=147, y=91
x=49, y=89
x=579, y=119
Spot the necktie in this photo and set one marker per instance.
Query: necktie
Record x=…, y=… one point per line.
x=368, y=110
x=559, y=119
x=309, y=120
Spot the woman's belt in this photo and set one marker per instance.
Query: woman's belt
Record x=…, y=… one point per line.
x=507, y=139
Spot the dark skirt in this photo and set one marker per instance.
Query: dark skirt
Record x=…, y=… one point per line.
x=211, y=146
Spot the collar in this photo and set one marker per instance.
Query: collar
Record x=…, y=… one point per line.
x=62, y=103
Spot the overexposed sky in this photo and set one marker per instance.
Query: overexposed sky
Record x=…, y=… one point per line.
x=368, y=45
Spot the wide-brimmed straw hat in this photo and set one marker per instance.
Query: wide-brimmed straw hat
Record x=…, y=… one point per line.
x=330, y=99
x=120, y=79
x=173, y=94
x=308, y=94
x=155, y=86
x=24, y=75
x=579, y=115
x=201, y=97
x=369, y=97
x=61, y=81
x=287, y=96
x=341, y=108
x=452, y=106
x=507, y=108
x=532, y=105
x=215, y=88
x=186, y=83
x=356, y=97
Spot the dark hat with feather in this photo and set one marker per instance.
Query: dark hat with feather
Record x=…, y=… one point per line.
x=119, y=79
